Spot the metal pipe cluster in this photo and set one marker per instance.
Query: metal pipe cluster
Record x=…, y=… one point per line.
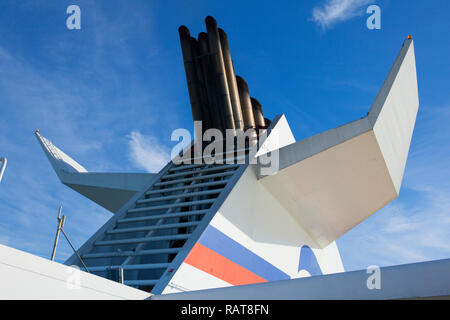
x=218, y=97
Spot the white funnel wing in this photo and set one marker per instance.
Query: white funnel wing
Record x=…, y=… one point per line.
x=333, y=181
x=109, y=190
x=60, y=161
x=394, y=112
x=278, y=134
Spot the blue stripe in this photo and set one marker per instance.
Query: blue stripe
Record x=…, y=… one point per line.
x=308, y=261
x=234, y=251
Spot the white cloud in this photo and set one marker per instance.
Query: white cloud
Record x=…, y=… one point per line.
x=335, y=11
x=414, y=228
x=146, y=153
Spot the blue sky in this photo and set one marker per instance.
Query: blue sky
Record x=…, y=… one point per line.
x=110, y=94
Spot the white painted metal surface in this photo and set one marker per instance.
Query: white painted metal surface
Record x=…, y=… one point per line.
x=26, y=276
x=254, y=219
x=411, y=281
x=332, y=181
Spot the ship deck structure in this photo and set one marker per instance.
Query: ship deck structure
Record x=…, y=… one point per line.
x=247, y=229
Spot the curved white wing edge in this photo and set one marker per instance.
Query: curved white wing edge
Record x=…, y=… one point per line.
x=60, y=161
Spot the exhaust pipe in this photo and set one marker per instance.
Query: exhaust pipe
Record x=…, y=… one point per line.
x=210, y=87
x=246, y=104
x=231, y=80
x=191, y=76
x=257, y=113
x=218, y=97
x=203, y=96
x=220, y=73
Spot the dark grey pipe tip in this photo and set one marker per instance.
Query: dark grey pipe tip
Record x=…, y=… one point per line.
x=202, y=36
x=184, y=32
x=241, y=83
x=258, y=113
x=256, y=102
x=210, y=21
x=223, y=34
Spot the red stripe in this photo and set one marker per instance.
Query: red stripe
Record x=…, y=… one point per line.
x=220, y=267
